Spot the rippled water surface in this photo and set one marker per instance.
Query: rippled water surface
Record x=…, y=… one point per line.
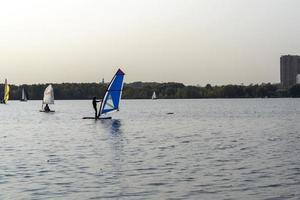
x=207, y=149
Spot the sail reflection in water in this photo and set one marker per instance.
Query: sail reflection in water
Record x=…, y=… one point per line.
x=113, y=125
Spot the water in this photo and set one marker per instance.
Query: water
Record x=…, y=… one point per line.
x=208, y=149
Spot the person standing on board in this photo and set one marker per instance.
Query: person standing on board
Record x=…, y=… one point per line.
x=47, y=109
x=95, y=106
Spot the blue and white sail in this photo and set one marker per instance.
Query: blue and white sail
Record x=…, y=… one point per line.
x=112, y=97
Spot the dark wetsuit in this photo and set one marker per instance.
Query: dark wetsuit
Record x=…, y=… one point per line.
x=47, y=109
x=95, y=107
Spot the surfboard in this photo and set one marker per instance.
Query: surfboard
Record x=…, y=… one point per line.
x=47, y=111
x=97, y=118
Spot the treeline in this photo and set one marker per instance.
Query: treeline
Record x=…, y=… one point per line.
x=142, y=90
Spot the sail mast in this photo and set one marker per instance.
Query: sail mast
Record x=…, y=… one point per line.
x=4, y=94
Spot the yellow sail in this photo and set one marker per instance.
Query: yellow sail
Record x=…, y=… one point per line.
x=6, y=92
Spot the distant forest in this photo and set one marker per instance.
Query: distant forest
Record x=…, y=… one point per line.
x=144, y=90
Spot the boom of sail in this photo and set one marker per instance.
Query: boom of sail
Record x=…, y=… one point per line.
x=48, y=95
x=112, y=96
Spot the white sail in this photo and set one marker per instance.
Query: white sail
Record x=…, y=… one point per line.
x=24, y=96
x=48, y=95
x=154, y=95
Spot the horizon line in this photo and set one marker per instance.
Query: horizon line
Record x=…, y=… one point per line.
x=197, y=85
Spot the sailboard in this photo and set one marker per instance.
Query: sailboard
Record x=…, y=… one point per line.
x=154, y=97
x=111, y=99
x=48, y=98
x=6, y=92
x=24, y=96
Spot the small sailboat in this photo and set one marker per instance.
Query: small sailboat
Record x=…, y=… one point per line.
x=48, y=99
x=154, y=97
x=111, y=99
x=24, y=96
x=6, y=92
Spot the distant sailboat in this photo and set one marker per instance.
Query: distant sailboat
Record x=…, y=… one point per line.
x=6, y=92
x=24, y=96
x=154, y=96
x=111, y=100
x=48, y=99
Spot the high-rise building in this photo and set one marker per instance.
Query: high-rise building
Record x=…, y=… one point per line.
x=289, y=69
x=298, y=79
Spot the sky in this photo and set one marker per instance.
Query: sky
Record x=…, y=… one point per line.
x=190, y=41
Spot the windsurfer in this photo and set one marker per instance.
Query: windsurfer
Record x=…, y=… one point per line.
x=47, y=109
x=95, y=106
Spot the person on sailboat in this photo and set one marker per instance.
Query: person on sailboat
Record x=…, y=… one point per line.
x=47, y=109
x=95, y=106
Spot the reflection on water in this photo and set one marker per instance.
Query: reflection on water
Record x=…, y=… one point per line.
x=116, y=142
x=114, y=126
x=211, y=149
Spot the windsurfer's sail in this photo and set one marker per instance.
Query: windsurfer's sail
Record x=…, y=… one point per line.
x=111, y=99
x=48, y=95
x=24, y=95
x=154, y=95
x=6, y=92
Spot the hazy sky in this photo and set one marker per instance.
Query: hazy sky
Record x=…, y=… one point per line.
x=189, y=41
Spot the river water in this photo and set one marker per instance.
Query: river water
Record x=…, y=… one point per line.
x=207, y=149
